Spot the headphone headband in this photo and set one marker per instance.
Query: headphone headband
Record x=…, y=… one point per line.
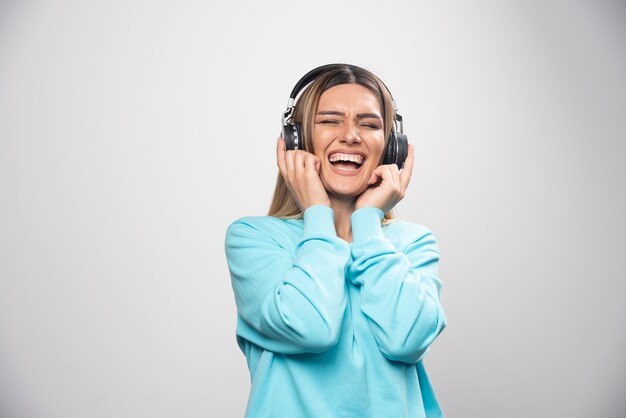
x=315, y=72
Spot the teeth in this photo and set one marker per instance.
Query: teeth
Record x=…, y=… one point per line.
x=355, y=158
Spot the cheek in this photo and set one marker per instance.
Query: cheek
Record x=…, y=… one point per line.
x=319, y=141
x=379, y=150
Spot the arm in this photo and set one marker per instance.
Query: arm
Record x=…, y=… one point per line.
x=289, y=305
x=399, y=289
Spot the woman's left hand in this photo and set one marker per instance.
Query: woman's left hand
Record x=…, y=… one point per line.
x=391, y=188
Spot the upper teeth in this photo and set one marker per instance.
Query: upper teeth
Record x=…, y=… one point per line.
x=355, y=158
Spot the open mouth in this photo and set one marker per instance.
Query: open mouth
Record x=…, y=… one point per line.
x=344, y=163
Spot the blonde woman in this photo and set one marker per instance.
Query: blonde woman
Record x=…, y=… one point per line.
x=337, y=300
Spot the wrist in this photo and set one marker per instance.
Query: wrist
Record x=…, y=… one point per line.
x=366, y=223
x=319, y=220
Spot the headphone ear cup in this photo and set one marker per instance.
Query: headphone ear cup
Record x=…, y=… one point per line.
x=292, y=136
x=391, y=149
x=397, y=149
x=403, y=149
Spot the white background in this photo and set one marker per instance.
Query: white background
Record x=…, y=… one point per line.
x=132, y=133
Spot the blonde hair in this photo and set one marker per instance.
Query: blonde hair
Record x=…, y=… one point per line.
x=283, y=204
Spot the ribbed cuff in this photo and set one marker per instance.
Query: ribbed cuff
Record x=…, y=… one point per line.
x=319, y=220
x=366, y=223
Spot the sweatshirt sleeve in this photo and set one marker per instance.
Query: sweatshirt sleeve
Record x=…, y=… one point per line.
x=399, y=288
x=289, y=304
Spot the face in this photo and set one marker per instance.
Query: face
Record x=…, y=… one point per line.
x=348, y=137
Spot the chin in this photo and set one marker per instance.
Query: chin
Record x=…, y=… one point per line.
x=346, y=186
x=345, y=190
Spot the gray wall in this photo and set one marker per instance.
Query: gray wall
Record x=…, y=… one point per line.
x=133, y=132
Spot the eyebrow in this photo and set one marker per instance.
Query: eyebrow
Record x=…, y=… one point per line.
x=358, y=116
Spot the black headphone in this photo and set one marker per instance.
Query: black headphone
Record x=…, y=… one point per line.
x=397, y=143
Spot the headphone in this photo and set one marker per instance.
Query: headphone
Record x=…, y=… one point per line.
x=397, y=142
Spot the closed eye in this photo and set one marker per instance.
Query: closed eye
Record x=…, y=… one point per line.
x=338, y=122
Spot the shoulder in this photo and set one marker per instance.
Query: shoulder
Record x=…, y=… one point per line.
x=263, y=228
x=405, y=234
x=259, y=223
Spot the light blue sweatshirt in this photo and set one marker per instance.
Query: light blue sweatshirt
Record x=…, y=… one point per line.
x=332, y=329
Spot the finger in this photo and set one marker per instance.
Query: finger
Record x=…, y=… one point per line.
x=310, y=164
x=395, y=173
x=280, y=156
x=407, y=170
x=298, y=166
x=385, y=173
x=289, y=163
x=318, y=164
x=376, y=174
x=300, y=160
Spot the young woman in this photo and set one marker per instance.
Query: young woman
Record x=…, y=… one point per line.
x=337, y=300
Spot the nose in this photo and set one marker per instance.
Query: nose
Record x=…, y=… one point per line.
x=350, y=133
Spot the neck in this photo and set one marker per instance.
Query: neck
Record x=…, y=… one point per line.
x=343, y=208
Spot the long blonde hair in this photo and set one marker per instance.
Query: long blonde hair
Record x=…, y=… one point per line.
x=283, y=204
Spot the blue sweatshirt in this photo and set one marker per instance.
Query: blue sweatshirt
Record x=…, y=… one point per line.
x=335, y=329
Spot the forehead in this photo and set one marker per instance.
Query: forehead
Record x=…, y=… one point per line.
x=347, y=97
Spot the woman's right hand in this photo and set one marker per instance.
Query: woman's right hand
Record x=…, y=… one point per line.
x=300, y=170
